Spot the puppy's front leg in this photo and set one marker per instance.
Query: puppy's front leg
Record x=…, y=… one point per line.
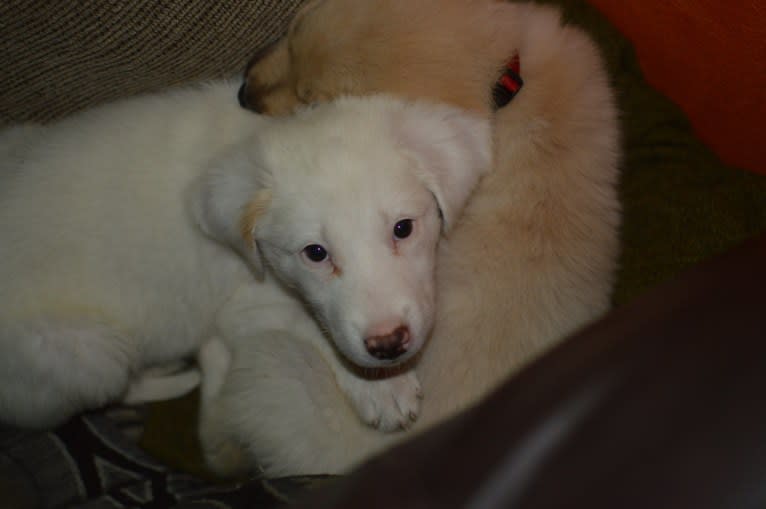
x=218, y=438
x=388, y=402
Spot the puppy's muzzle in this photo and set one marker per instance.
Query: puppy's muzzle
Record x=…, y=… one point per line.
x=389, y=346
x=248, y=100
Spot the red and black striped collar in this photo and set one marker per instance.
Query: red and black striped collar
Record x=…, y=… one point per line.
x=508, y=84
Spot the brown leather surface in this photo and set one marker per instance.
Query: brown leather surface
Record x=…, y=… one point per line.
x=660, y=404
x=709, y=56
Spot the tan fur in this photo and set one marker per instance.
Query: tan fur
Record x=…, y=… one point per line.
x=254, y=209
x=533, y=257
x=394, y=46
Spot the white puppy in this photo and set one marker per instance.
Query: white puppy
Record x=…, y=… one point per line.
x=127, y=230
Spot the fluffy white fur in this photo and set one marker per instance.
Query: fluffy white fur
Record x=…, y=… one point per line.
x=531, y=259
x=134, y=233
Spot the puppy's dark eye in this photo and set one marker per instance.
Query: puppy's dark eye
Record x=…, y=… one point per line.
x=315, y=253
x=403, y=229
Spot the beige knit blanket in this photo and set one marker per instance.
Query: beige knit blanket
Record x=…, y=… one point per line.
x=59, y=56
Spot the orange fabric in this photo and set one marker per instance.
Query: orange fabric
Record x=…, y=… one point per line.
x=709, y=56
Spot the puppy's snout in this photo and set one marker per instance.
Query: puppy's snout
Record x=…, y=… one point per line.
x=248, y=101
x=389, y=346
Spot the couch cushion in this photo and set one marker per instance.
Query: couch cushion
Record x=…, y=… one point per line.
x=59, y=57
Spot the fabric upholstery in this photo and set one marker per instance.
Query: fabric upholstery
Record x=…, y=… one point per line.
x=58, y=57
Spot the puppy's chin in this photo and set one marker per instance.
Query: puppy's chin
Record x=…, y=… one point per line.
x=368, y=362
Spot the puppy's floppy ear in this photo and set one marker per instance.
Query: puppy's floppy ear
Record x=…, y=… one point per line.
x=451, y=149
x=271, y=64
x=228, y=199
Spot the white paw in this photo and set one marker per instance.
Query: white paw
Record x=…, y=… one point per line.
x=388, y=404
x=159, y=384
x=214, y=359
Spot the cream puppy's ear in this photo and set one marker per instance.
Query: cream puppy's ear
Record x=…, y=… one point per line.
x=227, y=201
x=450, y=148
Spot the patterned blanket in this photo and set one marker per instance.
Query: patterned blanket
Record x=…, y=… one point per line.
x=90, y=462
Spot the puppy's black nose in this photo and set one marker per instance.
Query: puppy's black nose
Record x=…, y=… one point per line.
x=242, y=96
x=247, y=101
x=389, y=346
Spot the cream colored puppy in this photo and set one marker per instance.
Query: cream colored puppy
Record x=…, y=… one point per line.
x=129, y=230
x=534, y=255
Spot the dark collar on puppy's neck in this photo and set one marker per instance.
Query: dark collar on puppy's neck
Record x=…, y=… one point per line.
x=508, y=84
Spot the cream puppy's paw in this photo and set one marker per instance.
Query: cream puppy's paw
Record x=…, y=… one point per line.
x=161, y=383
x=388, y=404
